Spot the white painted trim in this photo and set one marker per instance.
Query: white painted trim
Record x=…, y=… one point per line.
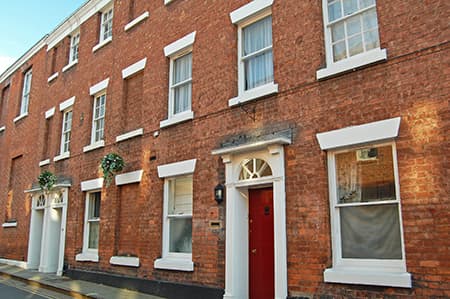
x=174, y=264
x=20, y=117
x=251, y=146
x=167, y=1
x=101, y=44
x=94, y=146
x=402, y=280
x=52, y=77
x=73, y=22
x=124, y=261
x=136, y=21
x=129, y=177
x=177, y=118
x=130, y=135
x=134, y=68
x=2, y=128
x=9, y=224
x=249, y=10
x=23, y=59
x=370, y=132
x=254, y=93
x=9, y=262
x=63, y=156
x=352, y=63
x=177, y=168
x=90, y=185
x=49, y=113
x=44, y=162
x=70, y=65
x=94, y=89
x=180, y=44
x=87, y=257
x=67, y=104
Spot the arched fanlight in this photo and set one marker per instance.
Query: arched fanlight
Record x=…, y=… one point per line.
x=254, y=169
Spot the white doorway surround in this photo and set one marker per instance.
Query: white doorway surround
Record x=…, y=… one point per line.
x=48, y=230
x=237, y=186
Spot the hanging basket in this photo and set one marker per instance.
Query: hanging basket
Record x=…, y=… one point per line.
x=46, y=180
x=111, y=164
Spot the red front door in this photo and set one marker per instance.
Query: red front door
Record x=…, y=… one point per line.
x=261, y=244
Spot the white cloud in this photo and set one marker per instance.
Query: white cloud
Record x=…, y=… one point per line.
x=5, y=62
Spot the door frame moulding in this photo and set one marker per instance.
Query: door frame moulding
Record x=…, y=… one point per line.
x=236, y=252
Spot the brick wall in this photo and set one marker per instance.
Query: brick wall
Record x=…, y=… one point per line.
x=412, y=84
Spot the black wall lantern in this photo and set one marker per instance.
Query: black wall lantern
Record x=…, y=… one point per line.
x=218, y=193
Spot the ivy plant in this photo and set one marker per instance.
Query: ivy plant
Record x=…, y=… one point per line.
x=46, y=180
x=111, y=164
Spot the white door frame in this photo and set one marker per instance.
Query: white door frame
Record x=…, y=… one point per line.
x=52, y=202
x=236, y=253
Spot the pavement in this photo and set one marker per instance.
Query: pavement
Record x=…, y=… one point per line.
x=70, y=287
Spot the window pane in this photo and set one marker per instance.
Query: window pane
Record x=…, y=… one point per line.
x=365, y=179
x=355, y=45
x=371, y=232
x=180, y=239
x=371, y=39
x=259, y=70
x=180, y=200
x=339, y=51
x=257, y=36
x=353, y=26
x=350, y=6
x=334, y=11
x=366, y=3
x=93, y=234
x=182, y=98
x=370, y=20
x=182, y=68
x=94, y=205
x=338, y=32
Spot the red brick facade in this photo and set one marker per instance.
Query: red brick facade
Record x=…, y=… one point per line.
x=413, y=83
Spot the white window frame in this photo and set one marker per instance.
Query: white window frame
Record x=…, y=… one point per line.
x=172, y=260
x=64, y=133
x=362, y=271
x=174, y=51
x=349, y=63
x=105, y=12
x=74, y=47
x=243, y=17
x=27, y=77
x=89, y=254
x=95, y=120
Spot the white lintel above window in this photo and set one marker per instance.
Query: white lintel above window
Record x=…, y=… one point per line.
x=129, y=135
x=98, y=87
x=52, y=77
x=137, y=21
x=180, y=44
x=177, y=168
x=2, y=128
x=134, y=68
x=49, y=113
x=249, y=10
x=90, y=185
x=44, y=162
x=370, y=132
x=129, y=177
x=67, y=104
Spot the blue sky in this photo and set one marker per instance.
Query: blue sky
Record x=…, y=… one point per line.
x=24, y=22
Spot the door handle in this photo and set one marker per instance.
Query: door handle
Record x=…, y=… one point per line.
x=254, y=251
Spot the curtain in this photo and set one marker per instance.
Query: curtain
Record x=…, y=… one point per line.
x=182, y=71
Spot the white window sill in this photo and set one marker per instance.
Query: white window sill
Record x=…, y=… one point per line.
x=63, y=156
x=70, y=65
x=254, y=94
x=87, y=257
x=399, y=279
x=130, y=135
x=94, y=146
x=9, y=224
x=102, y=44
x=52, y=77
x=136, y=21
x=351, y=63
x=174, y=264
x=44, y=162
x=177, y=118
x=20, y=117
x=2, y=129
x=124, y=261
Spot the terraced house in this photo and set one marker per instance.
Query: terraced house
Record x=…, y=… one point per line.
x=272, y=148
